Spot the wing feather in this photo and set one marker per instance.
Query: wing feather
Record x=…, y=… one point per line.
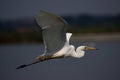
x=53, y=30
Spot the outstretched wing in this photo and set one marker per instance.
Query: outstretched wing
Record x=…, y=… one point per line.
x=53, y=30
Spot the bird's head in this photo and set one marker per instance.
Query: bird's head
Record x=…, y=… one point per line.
x=81, y=50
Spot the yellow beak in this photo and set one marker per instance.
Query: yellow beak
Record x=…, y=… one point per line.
x=91, y=48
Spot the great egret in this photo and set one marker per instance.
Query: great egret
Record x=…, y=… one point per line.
x=56, y=39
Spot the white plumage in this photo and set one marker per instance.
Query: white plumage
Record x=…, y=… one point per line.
x=69, y=50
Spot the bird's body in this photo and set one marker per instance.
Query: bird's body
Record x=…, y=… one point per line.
x=69, y=50
x=56, y=39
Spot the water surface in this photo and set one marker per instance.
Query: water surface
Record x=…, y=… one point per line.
x=103, y=64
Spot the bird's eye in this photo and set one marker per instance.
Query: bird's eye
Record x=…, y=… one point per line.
x=86, y=48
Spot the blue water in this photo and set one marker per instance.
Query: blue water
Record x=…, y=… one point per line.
x=103, y=64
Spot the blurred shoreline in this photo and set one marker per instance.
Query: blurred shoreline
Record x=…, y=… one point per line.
x=88, y=37
x=85, y=27
x=96, y=37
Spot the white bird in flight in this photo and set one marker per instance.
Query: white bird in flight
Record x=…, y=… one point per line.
x=56, y=40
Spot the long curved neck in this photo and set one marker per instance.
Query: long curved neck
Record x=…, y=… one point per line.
x=78, y=53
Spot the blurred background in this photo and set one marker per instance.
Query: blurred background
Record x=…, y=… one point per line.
x=93, y=22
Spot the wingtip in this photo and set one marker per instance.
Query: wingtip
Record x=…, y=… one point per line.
x=38, y=13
